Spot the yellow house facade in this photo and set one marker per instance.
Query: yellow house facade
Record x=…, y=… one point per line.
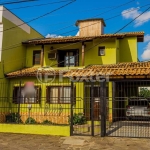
x=45, y=61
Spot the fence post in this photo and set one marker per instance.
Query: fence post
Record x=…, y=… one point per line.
x=71, y=110
x=19, y=102
x=103, y=106
x=113, y=101
x=92, y=108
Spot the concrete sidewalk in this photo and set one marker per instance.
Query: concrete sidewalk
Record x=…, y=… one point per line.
x=41, y=142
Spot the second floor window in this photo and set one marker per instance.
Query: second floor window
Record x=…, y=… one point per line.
x=101, y=51
x=36, y=57
x=68, y=58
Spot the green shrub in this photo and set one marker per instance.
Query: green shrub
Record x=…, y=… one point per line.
x=13, y=118
x=30, y=120
x=144, y=92
x=47, y=122
x=78, y=119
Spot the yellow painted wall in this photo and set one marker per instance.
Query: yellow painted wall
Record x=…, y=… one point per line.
x=35, y=129
x=128, y=49
x=91, y=55
x=13, y=52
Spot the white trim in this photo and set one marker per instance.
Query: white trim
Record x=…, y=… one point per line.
x=14, y=19
x=1, y=40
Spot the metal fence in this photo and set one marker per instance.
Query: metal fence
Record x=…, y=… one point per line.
x=130, y=109
x=47, y=104
x=117, y=108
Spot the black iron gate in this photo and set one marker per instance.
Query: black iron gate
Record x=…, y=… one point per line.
x=88, y=113
x=118, y=108
x=130, y=109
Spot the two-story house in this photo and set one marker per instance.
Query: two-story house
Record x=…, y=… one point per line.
x=48, y=59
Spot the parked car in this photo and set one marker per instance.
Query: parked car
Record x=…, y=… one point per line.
x=138, y=108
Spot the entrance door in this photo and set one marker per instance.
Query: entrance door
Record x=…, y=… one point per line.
x=96, y=98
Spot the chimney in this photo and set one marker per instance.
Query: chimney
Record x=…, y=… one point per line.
x=91, y=27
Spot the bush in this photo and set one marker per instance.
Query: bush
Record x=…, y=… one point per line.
x=30, y=120
x=144, y=92
x=78, y=119
x=47, y=122
x=13, y=118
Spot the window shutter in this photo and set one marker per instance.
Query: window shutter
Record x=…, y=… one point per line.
x=15, y=90
x=38, y=95
x=47, y=94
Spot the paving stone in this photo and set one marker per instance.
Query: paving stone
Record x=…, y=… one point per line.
x=73, y=141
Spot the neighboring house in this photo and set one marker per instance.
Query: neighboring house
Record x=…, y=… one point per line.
x=13, y=31
x=48, y=59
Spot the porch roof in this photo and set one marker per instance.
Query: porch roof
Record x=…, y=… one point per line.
x=120, y=70
x=35, y=71
x=139, y=35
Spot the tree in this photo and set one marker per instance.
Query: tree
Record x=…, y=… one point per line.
x=144, y=92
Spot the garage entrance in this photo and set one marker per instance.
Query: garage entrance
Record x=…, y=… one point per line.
x=130, y=109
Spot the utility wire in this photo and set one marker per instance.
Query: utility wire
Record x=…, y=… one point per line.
x=65, y=32
x=109, y=37
x=10, y=47
x=54, y=49
x=61, y=47
x=105, y=20
x=40, y=16
x=37, y=5
x=14, y=2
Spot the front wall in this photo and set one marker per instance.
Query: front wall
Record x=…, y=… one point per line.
x=35, y=129
x=56, y=113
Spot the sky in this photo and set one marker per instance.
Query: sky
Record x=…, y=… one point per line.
x=115, y=13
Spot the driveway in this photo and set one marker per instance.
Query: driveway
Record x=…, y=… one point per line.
x=129, y=129
x=41, y=142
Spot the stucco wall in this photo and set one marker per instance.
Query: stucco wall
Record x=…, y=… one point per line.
x=128, y=49
x=13, y=52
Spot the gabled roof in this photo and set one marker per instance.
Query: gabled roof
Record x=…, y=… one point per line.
x=119, y=70
x=139, y=35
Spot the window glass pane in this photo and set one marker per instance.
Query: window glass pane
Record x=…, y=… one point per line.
x=67, y=60
x=65, y=95
x=20, y=99
x=72, y=60
x=54, y=95
x=36, y=57
x=101, y=51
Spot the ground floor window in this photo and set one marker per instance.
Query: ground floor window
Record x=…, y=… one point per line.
x=22, y=97
x=60, y=94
